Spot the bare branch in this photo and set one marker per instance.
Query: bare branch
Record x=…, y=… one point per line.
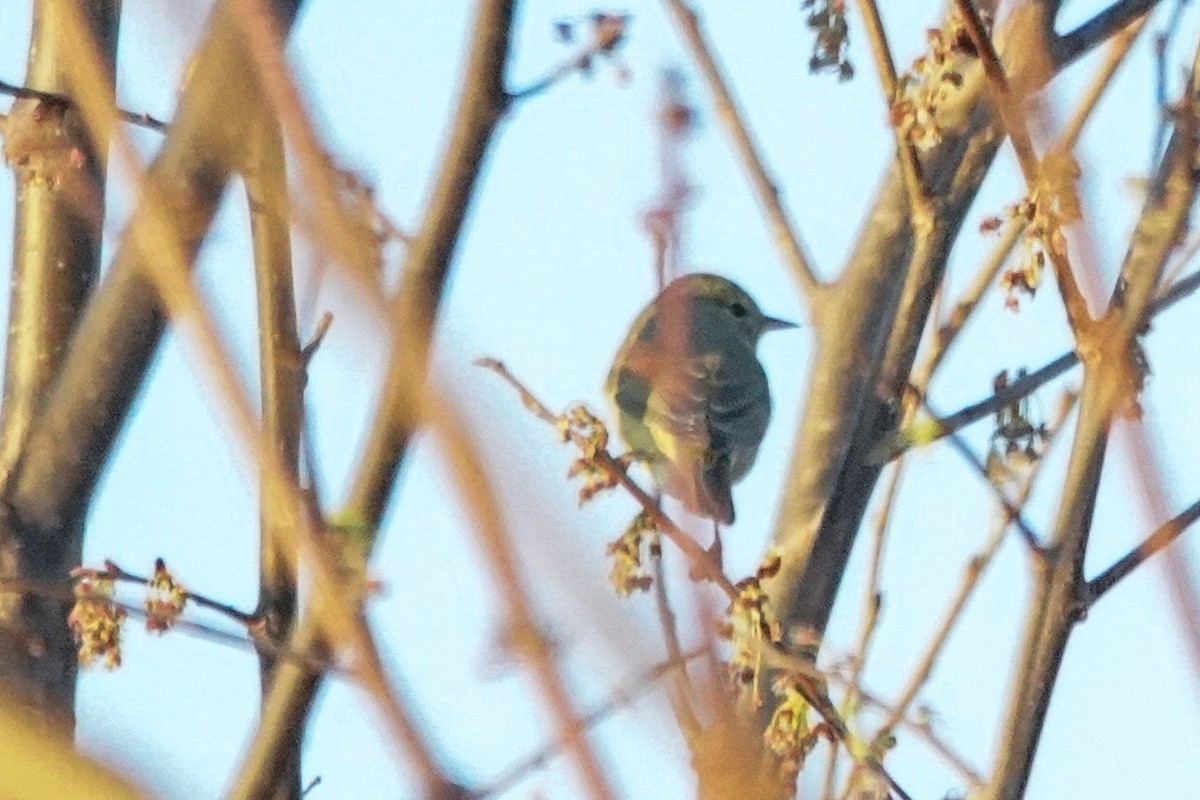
x=1099, y=28
x=59, y=172
x=906, y=152
x=1013, y=120
x=481, y=104
x=1154, y=543
x=139, y=118
x=1111, y=383
x=528, y=641
x=1010, y=512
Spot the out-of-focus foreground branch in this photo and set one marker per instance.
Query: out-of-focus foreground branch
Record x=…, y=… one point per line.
x=482, y=102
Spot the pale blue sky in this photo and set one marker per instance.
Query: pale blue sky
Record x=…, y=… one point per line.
x=552, y=267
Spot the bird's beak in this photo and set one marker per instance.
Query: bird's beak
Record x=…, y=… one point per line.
x=773, y=324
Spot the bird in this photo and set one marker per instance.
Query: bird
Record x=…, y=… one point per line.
x=691, y=397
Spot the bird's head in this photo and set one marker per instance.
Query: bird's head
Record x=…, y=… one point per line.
x=727, y=296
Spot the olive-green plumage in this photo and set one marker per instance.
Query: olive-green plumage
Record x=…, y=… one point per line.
x=690, y=394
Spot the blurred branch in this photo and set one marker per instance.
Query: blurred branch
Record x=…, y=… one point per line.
x=1165, y=534
x=523, y=631
x=140, y=119
x=331, y=203
x=281, y=378
x=619, y=698
x=123, y=322
x=337, y=593
x=480, y=107
x=739, y=134
x=59, y=176
x=40, y=760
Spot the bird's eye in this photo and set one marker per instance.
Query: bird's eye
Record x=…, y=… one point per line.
x=738, y=310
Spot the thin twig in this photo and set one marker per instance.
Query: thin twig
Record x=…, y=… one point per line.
x=947, y=332
x=974, y=570
x=1014, y=123
x=764, y=187
x=608, y=32
x=619, y=698
x=924, y=731
x=1117, y=51
x=496, y=545
x=112, y=571
x=310, y=348
x=1157, y=541
x=873, y=597
x=140, y=119
x=1032, y=541
x=701, y=559
x=681, y=697
x=906, y=151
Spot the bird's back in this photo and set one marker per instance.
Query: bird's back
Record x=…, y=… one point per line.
x=692, y=402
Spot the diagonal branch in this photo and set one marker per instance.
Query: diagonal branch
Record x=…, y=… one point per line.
x=1166, y=533
x=108, y=356
x=739, y=134
x=480, y=106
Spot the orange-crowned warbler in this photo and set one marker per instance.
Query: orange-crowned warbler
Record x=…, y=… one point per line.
x=690, y=393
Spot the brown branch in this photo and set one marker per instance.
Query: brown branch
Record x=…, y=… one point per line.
x=140, y=119
x=702, y=561
x=281, y=377
x=739, y=134
x=1013, y=120
x=59, y=175
x=480, y=106
x=1110, y=384
x=496, y=544
x=906, y=152
x=1157, y=541
x=947, y=333
x=336, y=599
